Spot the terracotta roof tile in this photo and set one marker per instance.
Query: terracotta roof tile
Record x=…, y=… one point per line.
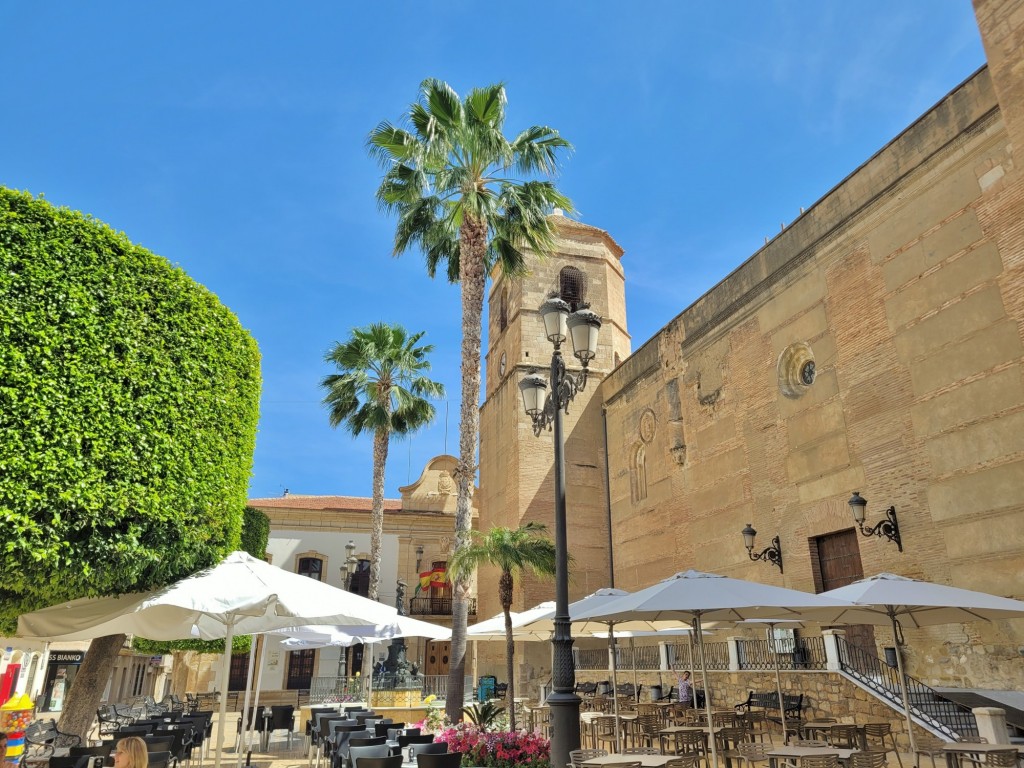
x=341, y=503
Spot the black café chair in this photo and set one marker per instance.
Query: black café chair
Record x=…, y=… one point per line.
x=358, y=752
x=159, y=759
x=384, y=727
x=159, y=742
x=311, y=723
x=434, y=748
x=439, y=760
x=282, y=718
x=414, y=738
x=394, y=761
x=67, y=761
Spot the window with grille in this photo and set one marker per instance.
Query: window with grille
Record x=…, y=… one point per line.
x=572, y=287
x=312, y=567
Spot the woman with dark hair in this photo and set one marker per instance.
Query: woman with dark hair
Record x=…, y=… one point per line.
x=131, y=753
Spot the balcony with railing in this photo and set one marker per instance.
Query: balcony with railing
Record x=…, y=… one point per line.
x=436, y=606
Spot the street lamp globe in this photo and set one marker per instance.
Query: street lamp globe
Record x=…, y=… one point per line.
x=534, y=387
x=555, y=312
x=584, y=327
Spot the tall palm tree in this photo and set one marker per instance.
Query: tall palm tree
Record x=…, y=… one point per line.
x=381, y=388
x=512, y=550
x=464, y=196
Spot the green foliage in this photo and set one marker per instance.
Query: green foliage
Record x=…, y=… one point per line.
x=255, y=532
x=513, y=550
x=484, y=715
x=239, y=644
x=452, y=166
x=128, y=409
x=382, y=386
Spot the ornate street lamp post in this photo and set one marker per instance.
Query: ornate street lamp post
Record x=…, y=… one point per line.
x=545, y=408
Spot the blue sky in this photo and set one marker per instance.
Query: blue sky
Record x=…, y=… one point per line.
x=229, y=137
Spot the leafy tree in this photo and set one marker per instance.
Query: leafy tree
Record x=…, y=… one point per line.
x=382, y=389
x=464, y=196
x=128, y=408
x=512, y=550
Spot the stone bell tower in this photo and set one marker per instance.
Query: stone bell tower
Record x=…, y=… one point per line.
x=516, y=467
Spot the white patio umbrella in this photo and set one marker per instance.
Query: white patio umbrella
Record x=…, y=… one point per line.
x=899, y=601
x=698, y=597
x=240, y=595
x=538, y=623
x=494, y=627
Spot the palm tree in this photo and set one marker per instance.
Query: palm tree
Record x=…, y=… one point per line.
x=463, y=196
x=511, y=550
x=381, y=388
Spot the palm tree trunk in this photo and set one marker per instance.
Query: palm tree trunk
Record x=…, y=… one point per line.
x=473, y=277
x=380, y=459
x=505, y=591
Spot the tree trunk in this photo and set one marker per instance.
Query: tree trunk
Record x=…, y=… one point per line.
x=505, y=591
x=86, y=692
x=473, y=278
x=380, y=460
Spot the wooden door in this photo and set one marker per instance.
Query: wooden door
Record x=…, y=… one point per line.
x=838, y=560
x=300, y=670
x=436, y=662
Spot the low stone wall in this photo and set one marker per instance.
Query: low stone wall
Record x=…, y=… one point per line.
x=826, y=694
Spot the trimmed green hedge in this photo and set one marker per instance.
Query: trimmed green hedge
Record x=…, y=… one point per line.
x=255, y=535
x=128, y=408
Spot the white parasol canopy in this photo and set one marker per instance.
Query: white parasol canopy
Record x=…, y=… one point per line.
x=240, y=595
x=888, y=599
x=494, y=627
x=700, y=597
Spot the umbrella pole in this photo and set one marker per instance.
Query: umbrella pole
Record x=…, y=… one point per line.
x=222, y=725
x=615, y=685
x=778, y=680
x=707, y=691
x=369, y=680
x=632, y=651
x=903, y=682
x=256, y=696
x=244, y=731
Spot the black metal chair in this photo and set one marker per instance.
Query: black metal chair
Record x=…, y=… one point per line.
x=394, y=761
x=439, y=760
x=159, y=759
x=282, y=718
x=42, y=737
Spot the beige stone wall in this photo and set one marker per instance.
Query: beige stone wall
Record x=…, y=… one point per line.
x=903, y=286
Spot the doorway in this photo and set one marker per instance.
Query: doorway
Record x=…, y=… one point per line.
x=836, y=564
x=436, y=661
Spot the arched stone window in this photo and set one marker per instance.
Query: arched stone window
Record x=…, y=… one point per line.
x=572, y=287
x=638, y=473
x=503, y=310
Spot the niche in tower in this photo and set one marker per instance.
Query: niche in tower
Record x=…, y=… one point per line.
x=572, y=288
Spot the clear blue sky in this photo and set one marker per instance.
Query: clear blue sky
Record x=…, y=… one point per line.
x=229, y=137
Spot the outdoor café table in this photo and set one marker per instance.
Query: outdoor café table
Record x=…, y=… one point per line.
x=954, y=749
x=798, y=752
x=646, y=761
x=665, y=733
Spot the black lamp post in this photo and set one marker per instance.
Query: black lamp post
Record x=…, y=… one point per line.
x=351, y=563
x=545, y=408
x=888, y=528
x=772, y=554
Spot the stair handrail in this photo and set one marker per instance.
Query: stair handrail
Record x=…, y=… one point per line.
x=883, y=678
